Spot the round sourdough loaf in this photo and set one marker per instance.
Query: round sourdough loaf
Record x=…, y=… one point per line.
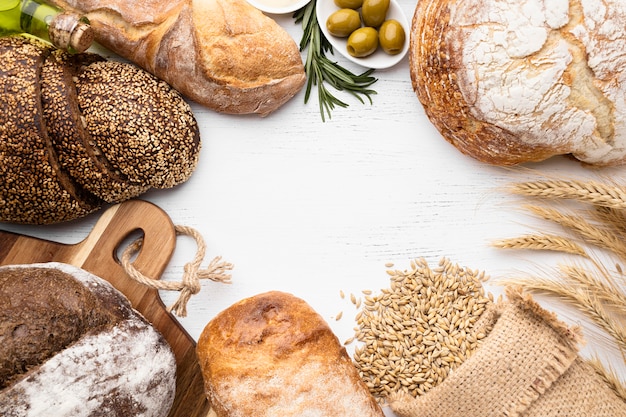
x=72, y=345
x=508, y=81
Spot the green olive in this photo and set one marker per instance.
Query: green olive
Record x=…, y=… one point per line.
x=391, y=37
x=343, y=22
x=363, y=42
x=374, y=12
x=349, y=4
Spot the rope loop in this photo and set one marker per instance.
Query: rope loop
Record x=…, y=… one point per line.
x=217, y=271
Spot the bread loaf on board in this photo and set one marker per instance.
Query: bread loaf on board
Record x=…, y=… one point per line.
x=273, y=355
x=71, y=345
x=79, y=132
x=509, y=82
x=223, y=54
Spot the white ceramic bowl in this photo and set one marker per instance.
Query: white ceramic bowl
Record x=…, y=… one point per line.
x=278, y=6
x=379, y=59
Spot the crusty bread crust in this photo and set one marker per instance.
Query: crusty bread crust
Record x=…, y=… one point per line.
x=510, y=82
x=273, y=355
x=109, y=361
x=223, y=54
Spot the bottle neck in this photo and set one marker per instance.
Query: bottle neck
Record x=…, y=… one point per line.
x=65, y=30
x=70, y=32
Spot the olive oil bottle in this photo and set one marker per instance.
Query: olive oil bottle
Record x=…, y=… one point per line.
x=64, y=30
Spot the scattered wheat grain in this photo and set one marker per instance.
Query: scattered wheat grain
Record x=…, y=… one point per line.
x=418, y=330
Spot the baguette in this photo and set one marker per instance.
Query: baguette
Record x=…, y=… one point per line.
x=223, y=54
x=509, y=82
x=80, y=132
x=273, y=355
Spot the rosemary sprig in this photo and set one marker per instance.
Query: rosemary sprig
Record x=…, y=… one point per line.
x=320, y=69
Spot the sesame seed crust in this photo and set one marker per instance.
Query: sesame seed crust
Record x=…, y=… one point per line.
x=157, y=141
x=75, y=147
x=33, y=188
x=79, y=131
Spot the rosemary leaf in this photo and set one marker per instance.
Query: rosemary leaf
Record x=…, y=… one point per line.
x=321, y=70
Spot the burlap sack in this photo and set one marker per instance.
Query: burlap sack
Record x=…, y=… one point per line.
x=527, y=366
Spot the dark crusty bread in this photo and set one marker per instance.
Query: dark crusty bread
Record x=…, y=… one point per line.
x=30, y=177
x=80, y=132
x=510, y=82
x=273, y=355
x=72, y=345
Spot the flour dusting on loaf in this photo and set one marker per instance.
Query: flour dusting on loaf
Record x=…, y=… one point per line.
x=512, y=82
x=122, y=367
x=273, y=355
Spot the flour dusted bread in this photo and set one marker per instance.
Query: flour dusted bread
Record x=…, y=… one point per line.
x=273, y=355
x=509, y=82
x=223, y=54
x=72, y=345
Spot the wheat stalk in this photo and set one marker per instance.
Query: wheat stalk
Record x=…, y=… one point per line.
x=588, y=231
x=592, y=192
x=542, y=242
x=595, y=295
x=604, y=290
x=613, y=218
x=609, y=376
x=584, y=300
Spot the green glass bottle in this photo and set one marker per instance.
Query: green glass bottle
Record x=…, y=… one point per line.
x=64, y=30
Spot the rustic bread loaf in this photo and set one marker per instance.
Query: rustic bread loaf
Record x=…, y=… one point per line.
x=223, y=54
x=80, y=131
x=509, y=82
x=72, y=345
x=273, y=355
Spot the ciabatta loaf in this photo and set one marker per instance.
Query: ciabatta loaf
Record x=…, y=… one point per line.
x=71, y=345
x=224, y=54
x=508, y=81
x=273, y=355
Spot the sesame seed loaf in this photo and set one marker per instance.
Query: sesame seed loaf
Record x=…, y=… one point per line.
x=72, y=345
x=223, y=54
x=273, y=355
x=81, y=131
x=509, y=82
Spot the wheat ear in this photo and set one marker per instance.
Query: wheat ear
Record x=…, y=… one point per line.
x=586, y=191
x=604, y=290
x=542, y=242
x=578, y=224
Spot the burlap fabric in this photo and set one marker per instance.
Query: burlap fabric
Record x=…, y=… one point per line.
x=527, y=366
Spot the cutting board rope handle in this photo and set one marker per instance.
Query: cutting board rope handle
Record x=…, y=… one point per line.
x=190, y=284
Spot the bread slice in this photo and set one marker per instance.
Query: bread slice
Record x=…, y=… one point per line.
x=33, y=187
x=273, y=355
x=67, y=129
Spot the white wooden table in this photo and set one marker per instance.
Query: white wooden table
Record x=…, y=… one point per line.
x=315, y=208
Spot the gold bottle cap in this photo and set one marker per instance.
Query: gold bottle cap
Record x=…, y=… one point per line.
x=71, y=32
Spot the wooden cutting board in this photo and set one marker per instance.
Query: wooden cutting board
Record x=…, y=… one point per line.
x=97, y=253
